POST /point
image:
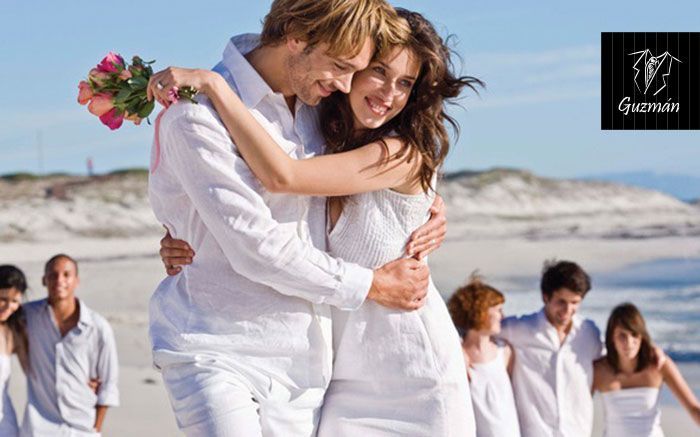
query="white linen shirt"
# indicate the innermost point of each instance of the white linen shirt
(258, 290)
(59, 400)
(552, 381)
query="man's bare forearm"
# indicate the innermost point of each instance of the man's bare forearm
(100, 413)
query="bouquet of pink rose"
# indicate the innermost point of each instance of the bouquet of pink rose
(115, 91)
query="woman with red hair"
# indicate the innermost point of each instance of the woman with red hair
(477, 311)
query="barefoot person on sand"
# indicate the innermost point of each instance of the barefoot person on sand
(243, 335)
(395, 372)
(630, 376)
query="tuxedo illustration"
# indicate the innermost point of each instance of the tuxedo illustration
(652, 71)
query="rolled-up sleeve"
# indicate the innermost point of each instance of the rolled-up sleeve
(225, 194)
(107, 368)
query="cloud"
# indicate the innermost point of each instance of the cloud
(523, 78)
(532, 97)
(560, 56)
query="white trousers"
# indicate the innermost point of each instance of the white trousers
(214, 396)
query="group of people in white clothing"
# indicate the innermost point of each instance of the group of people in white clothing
(304, 180)
(535, 375)
(67, 352)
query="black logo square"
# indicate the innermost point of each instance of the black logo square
(650, 81)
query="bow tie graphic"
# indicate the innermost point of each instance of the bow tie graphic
(651, 71)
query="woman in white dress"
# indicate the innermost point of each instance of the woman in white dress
(477, 311)
(394, 372)
(630, 376)
(13, 284)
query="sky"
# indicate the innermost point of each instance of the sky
(540, 61)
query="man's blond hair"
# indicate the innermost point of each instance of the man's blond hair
(344, 25)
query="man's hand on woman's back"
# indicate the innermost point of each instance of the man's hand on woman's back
(174, 254)
(400, 284)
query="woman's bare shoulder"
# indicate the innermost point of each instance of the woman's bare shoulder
(602, 367)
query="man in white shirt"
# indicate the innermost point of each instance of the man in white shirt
(242, 337)
(554, 353)
(69, 346)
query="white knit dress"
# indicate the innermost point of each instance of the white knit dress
(395, 373)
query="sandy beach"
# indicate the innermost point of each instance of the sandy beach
(118, 276)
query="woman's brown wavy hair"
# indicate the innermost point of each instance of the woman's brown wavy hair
(421, 125)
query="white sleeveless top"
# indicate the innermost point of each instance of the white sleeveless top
(374, 227)
(8, 418)
(492, 396)
(632, 412)
(396, 373)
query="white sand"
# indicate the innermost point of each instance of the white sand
(118, 276)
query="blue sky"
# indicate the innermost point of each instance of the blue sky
(540, 60)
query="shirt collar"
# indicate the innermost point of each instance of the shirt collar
(251, 87)
(85, 316)
(544, 323)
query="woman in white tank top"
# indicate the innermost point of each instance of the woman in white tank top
(477, 311)
(630, 376)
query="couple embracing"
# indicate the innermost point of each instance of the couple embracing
(304, 180)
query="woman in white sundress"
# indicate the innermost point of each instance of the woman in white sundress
(394, 372)
(630, 376)
(477, 311)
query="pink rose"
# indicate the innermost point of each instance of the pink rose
(173, 95)
(112, 63)
(100, 104)
(85, 93)
(112, 119)
(125, 74)
(98, 77)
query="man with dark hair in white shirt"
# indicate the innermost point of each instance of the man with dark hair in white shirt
(70, 345)
(554, 353)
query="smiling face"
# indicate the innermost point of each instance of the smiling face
(627, 343)
(61, 279)
(10, 300)
(381, 91)
(561, 307)
(313, 74)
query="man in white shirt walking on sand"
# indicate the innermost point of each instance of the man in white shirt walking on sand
(70, 345)
(554, 353)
